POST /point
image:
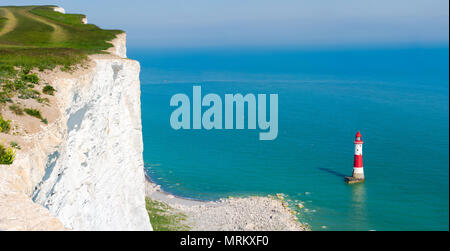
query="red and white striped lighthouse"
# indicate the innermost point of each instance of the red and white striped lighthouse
(358, 170)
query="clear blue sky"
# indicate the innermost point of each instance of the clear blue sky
(298, 23)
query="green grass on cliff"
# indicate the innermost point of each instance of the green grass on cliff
(39, 37)
(2, 20)
(7, 155)
(165, 218)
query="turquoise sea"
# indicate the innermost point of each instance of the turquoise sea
(398, 99)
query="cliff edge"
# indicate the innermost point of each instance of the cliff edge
(84, 170)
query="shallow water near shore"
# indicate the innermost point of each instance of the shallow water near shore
(397, 98)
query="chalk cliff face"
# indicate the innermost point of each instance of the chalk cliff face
(95, 179)
(86, 168)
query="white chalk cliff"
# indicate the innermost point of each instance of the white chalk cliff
(85, 170)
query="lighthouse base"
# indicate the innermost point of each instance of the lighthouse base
(353, 180)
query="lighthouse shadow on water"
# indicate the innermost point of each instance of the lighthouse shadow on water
(341, 175)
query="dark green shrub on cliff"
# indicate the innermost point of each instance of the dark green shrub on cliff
(43, 100)
(19, 84)
(16, 109)
(26, 70)
(33, 112)
(31, 78)
(5, 125)
(7, 155)
(28, 93)
(4, 97)
(48, 89)
(15, 145)
(7, 70)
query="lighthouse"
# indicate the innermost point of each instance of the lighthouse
(358, 170)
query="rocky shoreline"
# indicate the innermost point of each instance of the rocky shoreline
(254, 213)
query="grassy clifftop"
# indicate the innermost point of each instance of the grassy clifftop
(38, 36)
